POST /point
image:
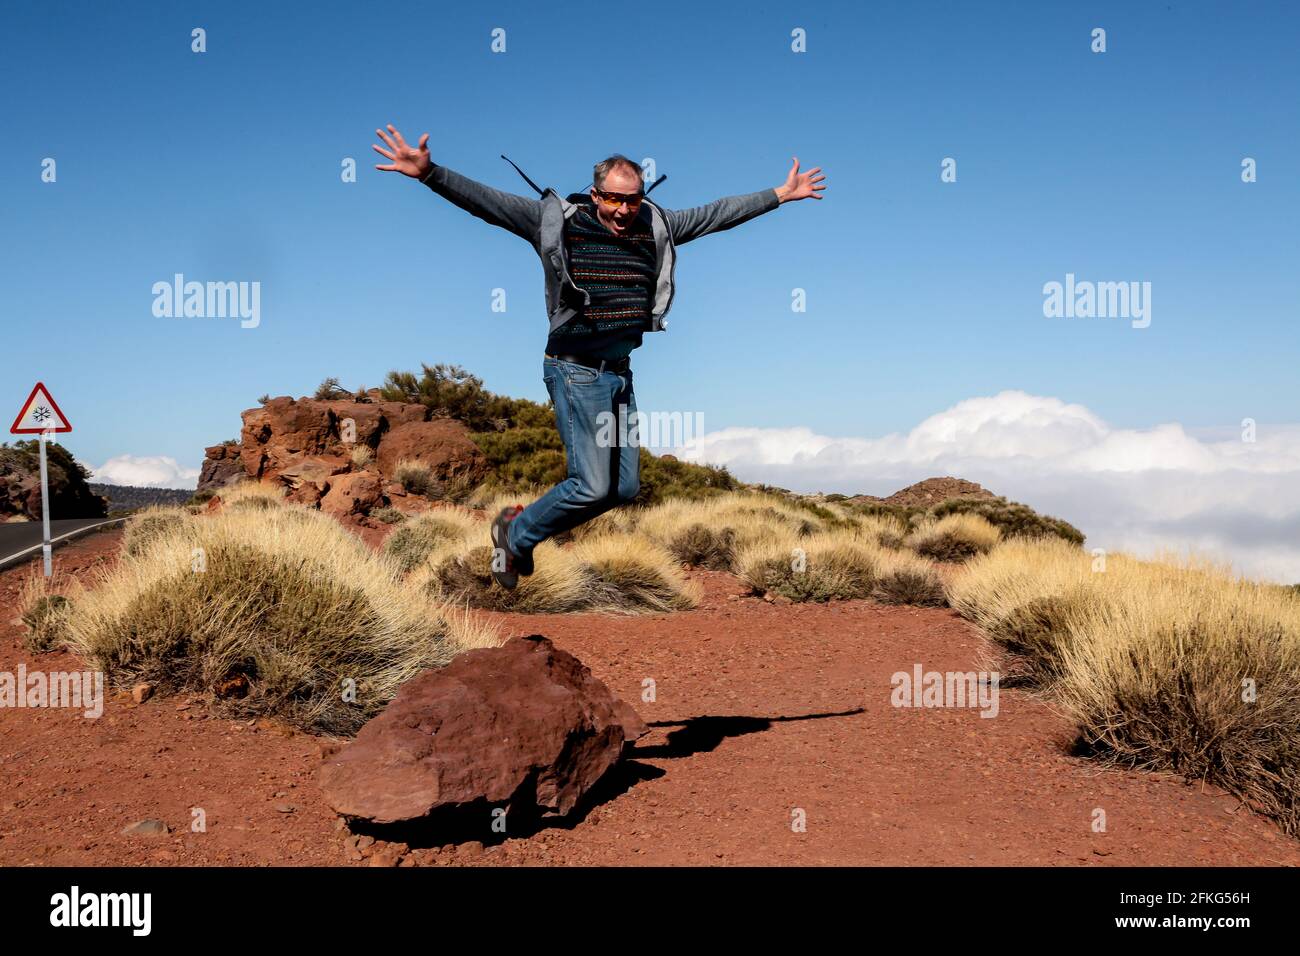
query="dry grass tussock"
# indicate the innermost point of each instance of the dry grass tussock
(1166, 665)
(607, 573)
(270, 610)
(957, 537)
(711, 532)
(845, 563)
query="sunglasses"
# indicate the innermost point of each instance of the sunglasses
(614, 200)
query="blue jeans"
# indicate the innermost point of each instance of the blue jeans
(604, 465)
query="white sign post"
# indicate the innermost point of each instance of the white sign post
(47, 550)
(40, 415)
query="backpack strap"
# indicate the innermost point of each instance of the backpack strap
(542, 192)
(536, 188)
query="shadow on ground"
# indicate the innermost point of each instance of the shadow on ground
(455, 825)
(701, 734)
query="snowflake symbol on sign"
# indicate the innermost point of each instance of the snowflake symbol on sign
(41, 413)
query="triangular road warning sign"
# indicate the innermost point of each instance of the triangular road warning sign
(39, 414)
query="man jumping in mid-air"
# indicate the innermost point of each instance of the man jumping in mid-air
(608, 259)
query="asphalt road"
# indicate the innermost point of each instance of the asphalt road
(21, 540)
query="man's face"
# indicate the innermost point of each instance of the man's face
(618, 199)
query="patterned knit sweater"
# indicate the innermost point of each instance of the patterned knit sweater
(618, 273)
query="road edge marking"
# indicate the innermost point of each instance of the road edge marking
(53, 541)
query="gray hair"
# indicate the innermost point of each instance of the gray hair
(603, 168)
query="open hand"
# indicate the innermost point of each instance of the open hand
(799, 185)
(408, 160)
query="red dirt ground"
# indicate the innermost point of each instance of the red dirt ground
(759, 710)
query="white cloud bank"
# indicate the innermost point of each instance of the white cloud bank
(1134, 490)
(158, 471)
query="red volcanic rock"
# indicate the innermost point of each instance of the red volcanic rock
(221, 466)
(282, 431)
(308, 493)
(402, 413)
(313, 469)
(441, 443)
(353, 494)
(369, 420)
(524, 721)
(411, 505)
(366, 421)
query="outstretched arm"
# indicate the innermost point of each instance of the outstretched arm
(520, 215)
(688, 224)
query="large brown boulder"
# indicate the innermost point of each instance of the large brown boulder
(353, 494)
(524, 721)
(441, 443)
(282, 431)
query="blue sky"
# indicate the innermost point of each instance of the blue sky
(225, 165)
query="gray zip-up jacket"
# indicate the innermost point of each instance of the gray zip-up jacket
(541, 222)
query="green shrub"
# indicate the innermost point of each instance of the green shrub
(1012, 517)
(331, 389)
(519, 457)
(663, 478)
(452, 392)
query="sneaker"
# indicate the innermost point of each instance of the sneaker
(523, 562)
(508, 575)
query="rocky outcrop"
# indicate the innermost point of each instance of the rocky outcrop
(307, 446)
(524, 722)
(928, 493)
(20, 484)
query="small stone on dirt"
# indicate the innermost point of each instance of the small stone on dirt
(146, 828)
(387, 856)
